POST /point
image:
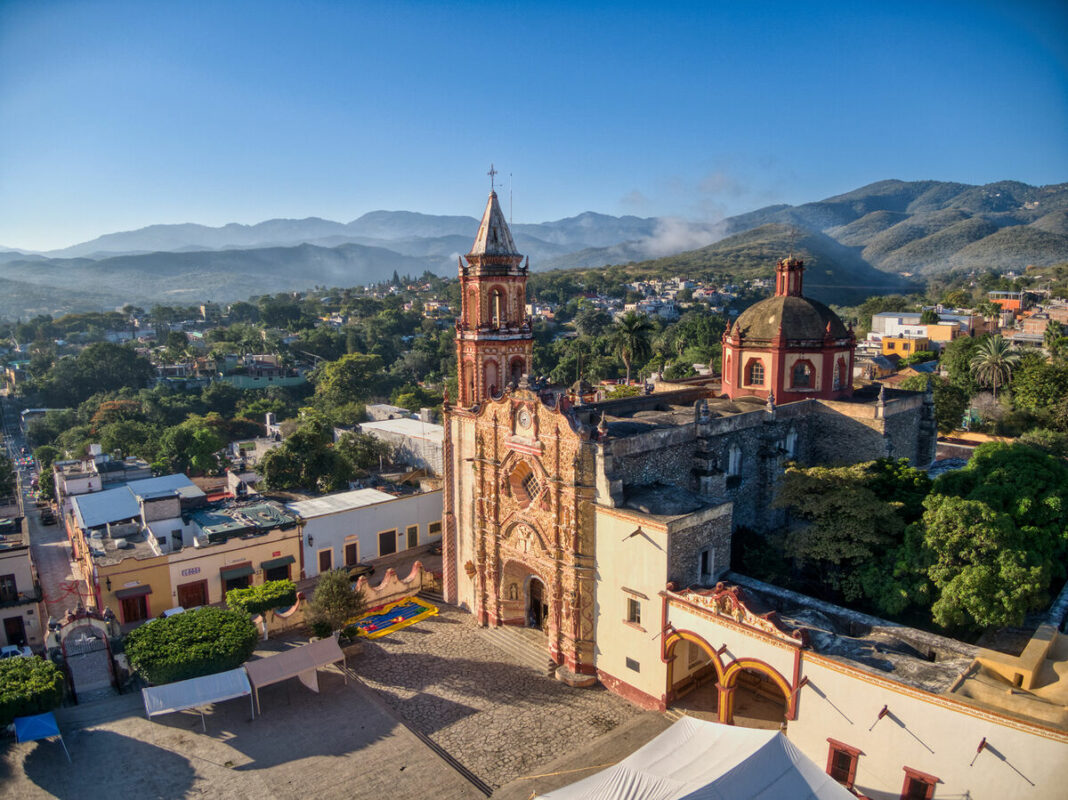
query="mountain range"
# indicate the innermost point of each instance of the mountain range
(862, 241)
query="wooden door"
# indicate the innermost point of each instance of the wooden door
(191, 595)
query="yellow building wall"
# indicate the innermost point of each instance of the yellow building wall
(904, 346)
(639, 564)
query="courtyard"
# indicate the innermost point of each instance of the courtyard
(432, 701)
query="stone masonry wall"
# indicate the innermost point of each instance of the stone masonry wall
(685, 546)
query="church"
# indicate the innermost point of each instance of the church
(545, 494)
(607, 527)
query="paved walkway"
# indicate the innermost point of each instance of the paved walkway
(61, 587)
(500, 719)
(337, 744)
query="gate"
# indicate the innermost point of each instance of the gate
(89, 661)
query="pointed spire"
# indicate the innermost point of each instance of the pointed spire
(770, 405)
(494, 238)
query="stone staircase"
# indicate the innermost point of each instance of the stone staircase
(522, 645)
(674, 714)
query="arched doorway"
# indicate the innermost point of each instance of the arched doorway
(537, 604)
(755, 695)
(694, 674)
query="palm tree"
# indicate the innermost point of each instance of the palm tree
(1055, 332)
(631, 335)
(993, 362)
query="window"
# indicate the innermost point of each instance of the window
(524, 483)
(756, 373)
(734, 460)
(842, 762)
(918, 785)
(802, 375)
(326, 560)
(708, 560)
(434, 529)
(351, 555)
(695, 655)
(413, 536)
(9, 591)
(837, 383)
(634, 611)
(277, 573)
(387, 542)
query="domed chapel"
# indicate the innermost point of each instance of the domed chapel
(788, 346)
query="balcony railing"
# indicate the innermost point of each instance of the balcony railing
(8, 599)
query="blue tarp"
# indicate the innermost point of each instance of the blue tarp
(39, 726)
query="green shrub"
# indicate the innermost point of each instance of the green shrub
(28, 686)
(258, 599)
(198, 642)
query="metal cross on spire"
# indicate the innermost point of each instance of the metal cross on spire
(492, 173)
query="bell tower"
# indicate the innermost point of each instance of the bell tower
(494, 340)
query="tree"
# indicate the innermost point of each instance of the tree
(307, 459)
(631, 336)
(995, 535)
(950, 401)
(201, 641)
(1052, 336)
(956, 361)
(334, 603)
(929, 317)
(363, 451)
(28, 686)
(354, 376)
(192, 446)
(993, 362)
(849, 519)
(1039, 385)
(8, 480)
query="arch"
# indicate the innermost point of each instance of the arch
(839, 373)
(754, 372)
(734, 460)
(677, 636)
(802, 375)
(727, 368)
(472, 307)
(729, 685)
(492, 377)
(517, 367)
(497, 310)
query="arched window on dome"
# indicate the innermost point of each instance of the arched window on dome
(754, 372)
(802, 375)
(839, 372)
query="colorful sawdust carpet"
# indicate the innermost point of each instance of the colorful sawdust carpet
(392, 617)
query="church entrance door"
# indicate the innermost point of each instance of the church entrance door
(537, 608)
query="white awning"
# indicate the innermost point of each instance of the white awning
(298, 662)
(196, 692)
(700, 760)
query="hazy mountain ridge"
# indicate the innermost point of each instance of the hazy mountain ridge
(892, 226)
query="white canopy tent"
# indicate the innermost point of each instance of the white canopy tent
(196, 693)
(299, 662)
(699, 760)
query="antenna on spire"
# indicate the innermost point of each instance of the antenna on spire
(509, 198)
(492, 173)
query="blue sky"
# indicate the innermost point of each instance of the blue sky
(116, 115)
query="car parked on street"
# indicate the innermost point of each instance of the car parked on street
(15, 651)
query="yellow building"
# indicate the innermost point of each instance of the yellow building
(943, 333)
(147, 564)
(905, 346)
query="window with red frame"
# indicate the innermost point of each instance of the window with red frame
(842, 762)
(918, 785)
